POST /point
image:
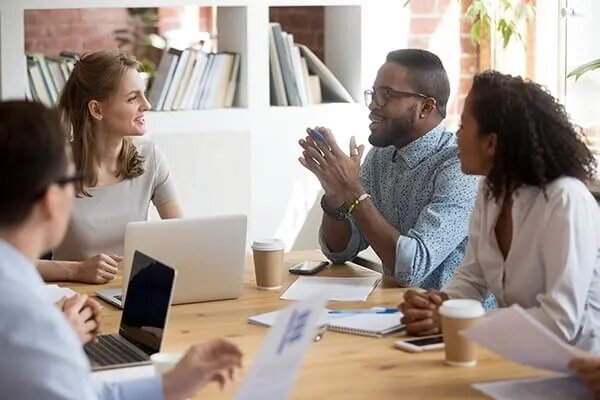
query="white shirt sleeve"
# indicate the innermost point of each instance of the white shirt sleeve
(569, 249)
(468, 280)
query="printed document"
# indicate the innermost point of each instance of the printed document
(276, 367)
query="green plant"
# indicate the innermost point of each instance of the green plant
(582, 69)
(504, 15)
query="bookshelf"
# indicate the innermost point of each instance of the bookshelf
(244, 159)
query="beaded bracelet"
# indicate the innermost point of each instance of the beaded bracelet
(357, 201)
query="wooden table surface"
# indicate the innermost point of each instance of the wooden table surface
(340, 366)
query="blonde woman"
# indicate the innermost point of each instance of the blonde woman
(103, 102)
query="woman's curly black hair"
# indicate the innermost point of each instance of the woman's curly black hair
(536, 142)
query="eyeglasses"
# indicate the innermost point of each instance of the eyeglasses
(77, 177)
(381, 95)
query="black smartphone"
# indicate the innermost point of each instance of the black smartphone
(308, 267)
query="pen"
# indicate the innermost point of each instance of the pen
(373, 310)
(315, 134)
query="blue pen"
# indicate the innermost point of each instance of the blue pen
(373, 310)
(315, 134)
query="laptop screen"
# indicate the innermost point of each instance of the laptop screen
(147, 303)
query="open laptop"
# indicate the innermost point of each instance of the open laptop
(144, 318)
(209, 254)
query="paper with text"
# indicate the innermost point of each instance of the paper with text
(276, 366)
(517, 336)
(340, 289)
(551, 388)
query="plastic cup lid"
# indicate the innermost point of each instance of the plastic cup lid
(268, 244)
(462, 308)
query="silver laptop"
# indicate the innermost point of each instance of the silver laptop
(209, 254)
(144, 318)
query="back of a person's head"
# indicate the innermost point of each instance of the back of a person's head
(426, 74)
(536, 141)
(32, 156)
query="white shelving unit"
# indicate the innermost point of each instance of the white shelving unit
(244, 159)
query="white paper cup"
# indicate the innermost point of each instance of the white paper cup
(268, 263)
(458, 315)
(163, 362)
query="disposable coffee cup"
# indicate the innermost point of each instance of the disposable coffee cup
(458, 315)
(268, 263)
(164, 362)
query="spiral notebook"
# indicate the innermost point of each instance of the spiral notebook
(368, 324)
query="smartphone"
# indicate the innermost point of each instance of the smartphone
(417, 345)
(315, 134)
(308, 267)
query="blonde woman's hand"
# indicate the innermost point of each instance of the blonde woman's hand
(98, 269)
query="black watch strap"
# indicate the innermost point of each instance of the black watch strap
(339, 214)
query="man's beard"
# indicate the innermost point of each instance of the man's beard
(397, 131)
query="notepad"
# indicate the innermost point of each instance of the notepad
(366, 324)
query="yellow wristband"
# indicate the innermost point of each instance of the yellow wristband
(357, 201)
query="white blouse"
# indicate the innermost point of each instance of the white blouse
(552, 267)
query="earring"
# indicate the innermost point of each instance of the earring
(422, 116)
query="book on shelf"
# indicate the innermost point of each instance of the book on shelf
(297, 76)
(192, 79)
(331, 88)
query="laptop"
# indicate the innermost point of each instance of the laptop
(144, 318)
(209, 254)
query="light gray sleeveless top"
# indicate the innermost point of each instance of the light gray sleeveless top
(98, 223)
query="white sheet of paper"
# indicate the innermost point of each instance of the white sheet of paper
(276, 366)
(340, 289)
(552, 388)
(515, 335)
(54, 292)
(123, 374)
(269, 318)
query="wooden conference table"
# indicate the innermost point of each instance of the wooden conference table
(340, 366)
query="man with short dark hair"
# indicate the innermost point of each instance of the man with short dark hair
(41, 356)
(409, 200)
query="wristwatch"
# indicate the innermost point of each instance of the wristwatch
(339, 214)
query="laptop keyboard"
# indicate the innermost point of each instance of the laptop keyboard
(111, 351)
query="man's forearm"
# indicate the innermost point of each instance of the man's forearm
(381, 235)
(336, 233)
(52, 270)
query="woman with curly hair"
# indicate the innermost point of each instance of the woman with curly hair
(534, 235)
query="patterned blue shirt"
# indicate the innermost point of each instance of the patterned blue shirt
(420, 190)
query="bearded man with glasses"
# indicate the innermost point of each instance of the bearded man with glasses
(409, 199)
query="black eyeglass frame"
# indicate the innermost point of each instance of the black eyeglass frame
(76, 177)
(370, 95)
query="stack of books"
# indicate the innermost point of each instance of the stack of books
(192, 79)
(47, 76)
(298, 76)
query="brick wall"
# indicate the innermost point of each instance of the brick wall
(427, 18)
(51, 31)
(305, 23)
